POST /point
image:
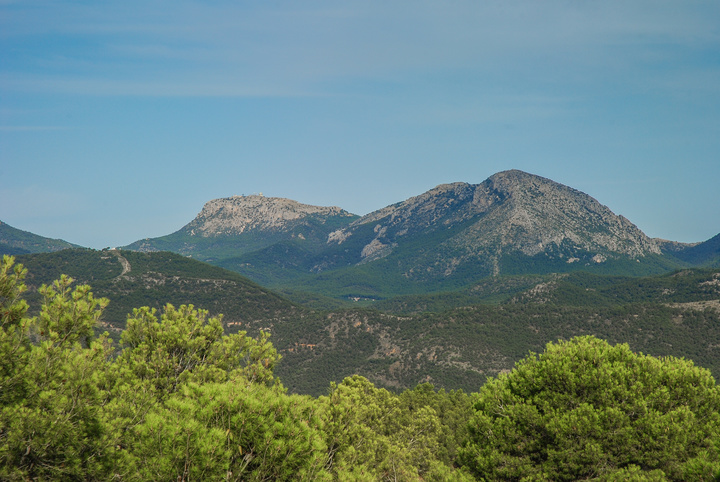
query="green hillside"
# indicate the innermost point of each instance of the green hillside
(460, 348)
(388, 277)
(458, 339)
(703, 254)
(586, 289)
(154, 279)
(454, 339)
(15, 241)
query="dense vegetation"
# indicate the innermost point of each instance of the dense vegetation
(454, 340)
(288, 266)
(586, 410)
(703, 254)
(153, 280)
(180, 399)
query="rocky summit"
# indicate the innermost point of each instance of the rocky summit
(256, 213)
(511, 213)
(536, 213)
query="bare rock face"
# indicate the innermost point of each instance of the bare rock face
(233, 226)
(256, 213)
(512, 211)
(536, 213)
(445, 206)
(445, 203)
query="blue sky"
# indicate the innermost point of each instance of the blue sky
(119, 120)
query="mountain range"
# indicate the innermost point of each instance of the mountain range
(449, 237)
(461, 281)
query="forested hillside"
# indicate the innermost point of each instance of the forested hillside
(454, 340)
(131, 279)
(703, 254)
(179, 399)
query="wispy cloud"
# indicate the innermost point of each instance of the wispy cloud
(187, 48)
(187, 87)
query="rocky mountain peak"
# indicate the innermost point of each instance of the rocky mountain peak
(513, 222)
(537, 212)
(521, 186)
(512, 211)
(239, 214)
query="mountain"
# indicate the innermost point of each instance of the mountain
(706, 253)
(15, 241)
(447, 238)
(457, 234)
(463, 280)
(236, 225)
(510, 214)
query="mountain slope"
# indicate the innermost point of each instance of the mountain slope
(458, 348)
(511, 211)
(236, 225)
(706, 253)
(132, 279)
(15, 241)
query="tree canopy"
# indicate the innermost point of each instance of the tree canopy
(181, 400)
(584, 409)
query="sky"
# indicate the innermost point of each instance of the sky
(120, 119)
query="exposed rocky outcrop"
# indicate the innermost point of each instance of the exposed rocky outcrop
(240, 214)
(230, 227)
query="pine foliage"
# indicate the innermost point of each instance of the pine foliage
(180, 399)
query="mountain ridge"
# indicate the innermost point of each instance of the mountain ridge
(453, 234)
(506, 206)
(235, 214)
(705, 254)
(15, 241)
